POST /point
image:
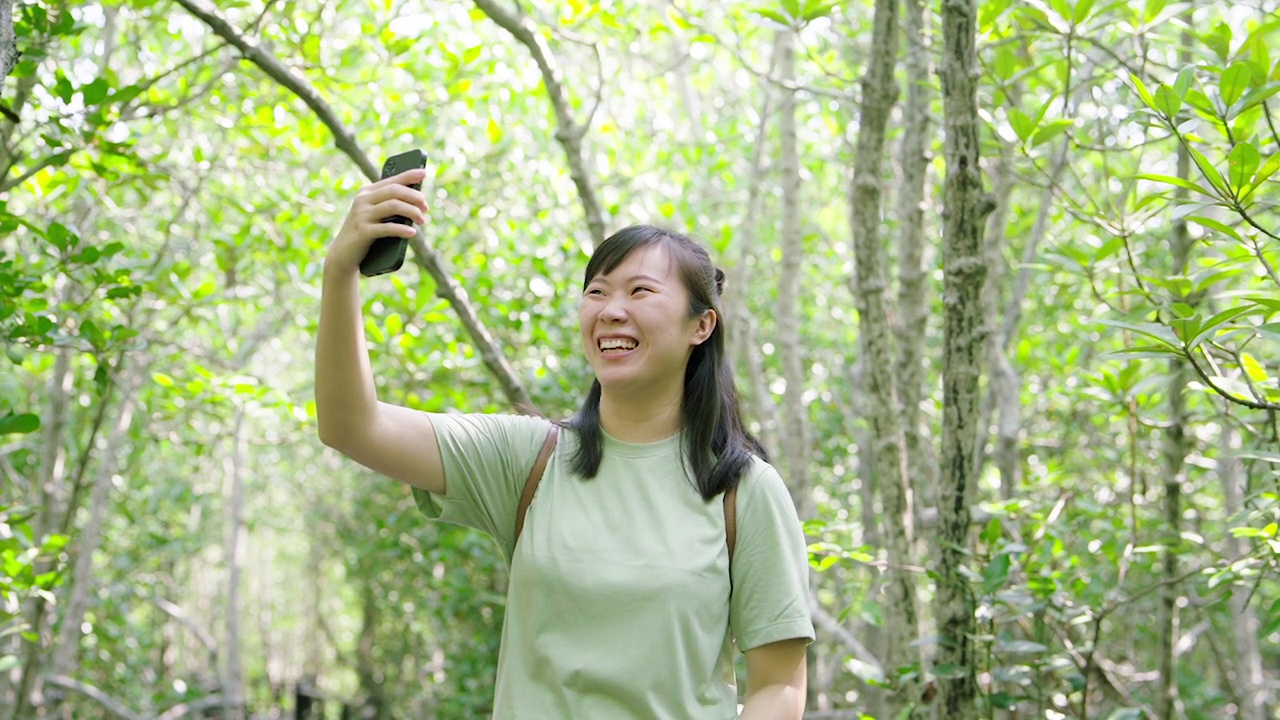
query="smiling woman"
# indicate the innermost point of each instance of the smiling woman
(623, 601)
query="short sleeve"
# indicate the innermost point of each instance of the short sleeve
(770, 568)
(487, 459)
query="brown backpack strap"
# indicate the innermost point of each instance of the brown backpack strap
(731, 519)
(535, 476)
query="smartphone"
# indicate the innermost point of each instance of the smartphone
(387, 254)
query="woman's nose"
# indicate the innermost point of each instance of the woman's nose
(614, 309)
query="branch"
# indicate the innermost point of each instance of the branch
(53, 159)
(423, 255)
(835, 630)
(92, 693)
(569, 133)
(1256, 405)
(201, 634)
(184, 709)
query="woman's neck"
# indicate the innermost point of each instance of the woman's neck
(640, 421)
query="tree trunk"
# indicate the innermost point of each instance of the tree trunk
(233, 703)
(1003, 384)
(8, 42)
(888, 460)
(1246, 675)
(795, 432)
(84, 547)
(53, 467)
(366, 669)
(1175, 448)
(913, 310)
(741, 324)
(963, 274)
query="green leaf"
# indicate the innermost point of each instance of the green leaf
(1210, 172)
(62, 87)
(814, 9)
(1022, 125)
(1004, 700)
(996, 573)
(1234, 81)
(96, 91)
(1143, 93)
(1047, 132)
(1182, 83)
(1175, 181)
(1168, 102)
(1155, 331)
(1219, 40)
(1145, 352)
(771, 14)
(61, 237)
(1022, 647)
(949, 670)
(494, 131)
(1253, 368)
(1216, 225)
(1242, 163)
(1265, 172)
(991, 533)
(22, 424)
(162, 380)
(1215, 323)
(1081, 11)
(470, 54)
(1253, 98)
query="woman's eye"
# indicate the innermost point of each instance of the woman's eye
(640, 289)
(595, 291)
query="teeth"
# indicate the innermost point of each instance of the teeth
(617, 344)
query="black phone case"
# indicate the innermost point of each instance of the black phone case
(387, 254)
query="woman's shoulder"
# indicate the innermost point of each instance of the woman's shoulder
(760, 478)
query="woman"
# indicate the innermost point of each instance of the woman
(622, 600)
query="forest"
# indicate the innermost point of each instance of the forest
(1003, 295)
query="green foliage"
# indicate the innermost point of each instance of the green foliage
(31, 568)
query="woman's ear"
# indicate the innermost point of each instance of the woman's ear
(706, 326)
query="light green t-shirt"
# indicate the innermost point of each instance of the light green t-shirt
(619, 602)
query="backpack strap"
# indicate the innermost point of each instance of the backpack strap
(535, 476)
(731, 519)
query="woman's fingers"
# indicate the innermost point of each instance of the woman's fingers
(395, 206)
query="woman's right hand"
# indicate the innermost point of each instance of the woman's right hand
(364, 223)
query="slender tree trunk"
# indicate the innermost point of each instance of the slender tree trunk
(879, 93)
(86, 544)
(795, 435)
(49, 494)
(741, 323)
(366, 669)
(1176, 447)
(1247, 678)
(913, 311)
(963, 274)
(8, 42)
(1003, 384)
(233, 704)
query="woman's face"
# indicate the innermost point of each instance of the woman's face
(636, 329)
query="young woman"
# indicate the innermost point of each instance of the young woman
(622, 602)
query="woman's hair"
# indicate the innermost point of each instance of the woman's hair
(717, 447)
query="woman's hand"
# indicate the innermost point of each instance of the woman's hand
(364, 223)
